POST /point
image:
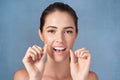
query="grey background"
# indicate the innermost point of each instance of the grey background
(99, 30)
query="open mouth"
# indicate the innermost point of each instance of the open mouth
(59, 49)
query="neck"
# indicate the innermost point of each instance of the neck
(58, 69)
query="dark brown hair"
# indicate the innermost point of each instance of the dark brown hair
(61, 7)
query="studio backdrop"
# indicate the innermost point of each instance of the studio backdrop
(99, 32)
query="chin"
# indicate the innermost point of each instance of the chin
(59, 59)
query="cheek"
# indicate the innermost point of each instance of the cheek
(70, 41)
(48, 40)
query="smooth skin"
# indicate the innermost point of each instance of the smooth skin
(59, 31)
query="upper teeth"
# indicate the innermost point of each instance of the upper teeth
(59, 48)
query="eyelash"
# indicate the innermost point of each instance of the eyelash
(67, 31)
(51, 31)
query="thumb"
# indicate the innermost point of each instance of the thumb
(44, 53)
(72, 56)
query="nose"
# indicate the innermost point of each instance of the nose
(59, 38)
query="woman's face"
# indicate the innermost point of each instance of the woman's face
(59, 33)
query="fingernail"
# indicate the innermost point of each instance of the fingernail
(81, 54)
(83, 48)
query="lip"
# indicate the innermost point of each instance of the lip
(59, 51)
(59, 47)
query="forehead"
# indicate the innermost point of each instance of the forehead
(59, 19)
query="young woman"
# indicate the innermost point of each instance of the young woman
(58, 31)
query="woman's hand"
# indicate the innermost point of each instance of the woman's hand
(34, 61)
(80, 63)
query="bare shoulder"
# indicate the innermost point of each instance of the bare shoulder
(92, 76)
(21, 74)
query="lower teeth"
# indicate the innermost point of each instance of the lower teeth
(58, 50)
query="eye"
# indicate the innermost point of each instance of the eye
(69, 32)
(51, 31)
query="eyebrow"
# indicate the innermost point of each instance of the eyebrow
(51, 27)
(69, 27)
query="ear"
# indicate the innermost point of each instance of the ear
(40, 34)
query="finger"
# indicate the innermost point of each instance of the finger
(85, 58)
(39, 50)
(36, 52)
(30, 56)
(79, 52)
(33, 50)
(73, 60)
(85, 54)
(82, 53)
(44, 53)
